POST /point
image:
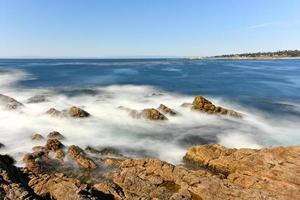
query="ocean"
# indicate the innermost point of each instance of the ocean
(266, 92)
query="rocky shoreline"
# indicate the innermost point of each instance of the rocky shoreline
(66, 172)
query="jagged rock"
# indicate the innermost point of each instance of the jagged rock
(269, 169)
(110, 189)
(54, 145)
(77, 112)
(9, 103)
(12, 183)
(37, 99)
(151, 179)
(164, 109)
(153, 114)
(56, 135)
(81, 158)
(37, 137)
(204, 105)
(54, 113)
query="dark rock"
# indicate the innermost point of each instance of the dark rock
(37, 99)
(10, 103)
(1, 145)
(164, 109)
(56, 135)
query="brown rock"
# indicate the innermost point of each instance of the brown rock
(153, 114)
(267, 170)
(164, 109)
(204, 105)
(81, 158)
(106, 151)
(77, 112)
(10, 103)
(151, 179)
(54, 145)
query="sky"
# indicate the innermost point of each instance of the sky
(146, 28)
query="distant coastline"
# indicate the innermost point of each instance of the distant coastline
(287, 54)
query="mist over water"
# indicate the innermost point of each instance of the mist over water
(266, 92)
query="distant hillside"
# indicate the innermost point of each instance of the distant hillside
(263, 55)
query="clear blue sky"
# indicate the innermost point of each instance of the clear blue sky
(105, 28)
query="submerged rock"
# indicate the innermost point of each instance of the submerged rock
(1, 145)
(268, 169)
(55, 134)
(166, 110)
(203, 105)
(106, 151)
(73, 112)
(10, 103)
(37, 99)
(37, 137)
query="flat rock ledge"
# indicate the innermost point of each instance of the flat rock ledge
(211, 172)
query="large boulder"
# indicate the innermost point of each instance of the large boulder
(203, 105)
(9, 103)
(267, 169)
(153, 114)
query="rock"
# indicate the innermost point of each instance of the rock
(54, 113)
(150, 178)
(81, 158)
(164, 109)
(54, 145)
(106, 151)
(77, 112)
(60, 187)
(73, 112)
(204, 105)
(37, 137)
(37, 99)
(267, 170)
(56, 135)
(187, 105)
(1, 145)
(110, 189)
(12, 182)
(153, 114)
(10, 103)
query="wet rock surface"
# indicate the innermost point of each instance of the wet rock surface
(9, 103)
(166, 110)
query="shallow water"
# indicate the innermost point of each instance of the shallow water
(267, 92)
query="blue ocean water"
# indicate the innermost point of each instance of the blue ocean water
(266, 92)
(258, 83)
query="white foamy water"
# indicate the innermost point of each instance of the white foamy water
(112, 127)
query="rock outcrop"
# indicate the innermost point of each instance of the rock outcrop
(269, 170)
(81, 158)
(56, 135)
(166, 110)
(9, 103)
(203, 105)
(73, 112)
(37, 137)
(148, 113)
(37, 99)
